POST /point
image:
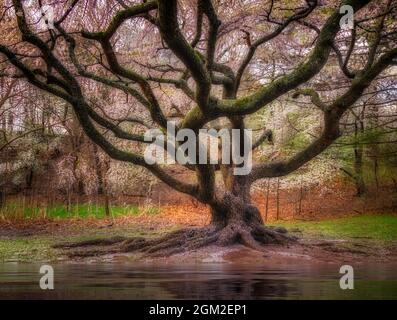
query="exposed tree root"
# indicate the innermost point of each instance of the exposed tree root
(181, 241)
(87, 243)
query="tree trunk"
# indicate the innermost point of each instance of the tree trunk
(278, 199)
(29, 179)
(234, 210)
(376, 169)
(2, 199)
(267, 199)
(358, 162)
(239, 221)
(358, 168)
(300, 199)
(101, 169)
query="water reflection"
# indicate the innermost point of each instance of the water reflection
(122, 281)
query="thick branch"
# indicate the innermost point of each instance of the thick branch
(253, 47)
(304, 72)
(331, 123)
(314, 96)
(170, 32)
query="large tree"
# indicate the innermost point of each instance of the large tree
(205, 54)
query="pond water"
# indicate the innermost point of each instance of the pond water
(220, 281)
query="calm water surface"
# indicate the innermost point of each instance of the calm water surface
(125, 281)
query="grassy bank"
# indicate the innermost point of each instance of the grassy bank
(382, 227)
(377, 230)
(21, 210)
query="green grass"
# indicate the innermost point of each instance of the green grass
(19, 210)
(27, 249)
(378, 227)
